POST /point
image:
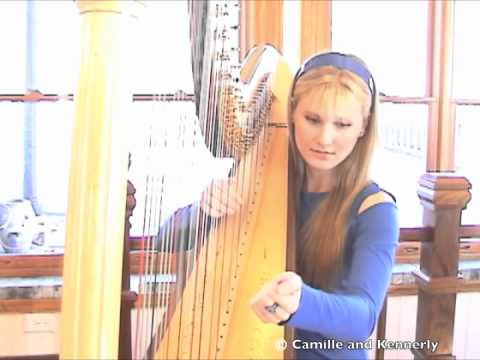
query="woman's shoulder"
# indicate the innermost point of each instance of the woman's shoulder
(371, 195)
(375, 199)
(375, 215)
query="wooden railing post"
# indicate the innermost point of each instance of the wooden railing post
(125, 338)
(443, 196)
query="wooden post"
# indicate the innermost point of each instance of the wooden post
(125, 338)
(443, 196)
(316, 27)
(261, 22)
(441, 124)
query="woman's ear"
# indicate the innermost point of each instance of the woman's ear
(364, 128)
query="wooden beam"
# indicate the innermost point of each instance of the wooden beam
(316, 27)
(261, 22)
(51, 305)
(52, 264)
(441, 124)
(24, 306)
(37, 96)
(31, 357)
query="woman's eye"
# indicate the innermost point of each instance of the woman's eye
(342, 125)
(312, 119)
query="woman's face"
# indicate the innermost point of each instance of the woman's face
(326, 132)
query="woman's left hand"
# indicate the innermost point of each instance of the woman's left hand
(222, 197)
(278, 299)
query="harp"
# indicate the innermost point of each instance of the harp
(209, 316)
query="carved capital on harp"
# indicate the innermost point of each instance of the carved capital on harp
(130, 8)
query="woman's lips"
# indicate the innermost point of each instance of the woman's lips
(320, 154)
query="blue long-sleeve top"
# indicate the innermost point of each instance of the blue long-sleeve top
(331, 323)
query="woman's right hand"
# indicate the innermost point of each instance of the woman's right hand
(278, 299)
(221, 197)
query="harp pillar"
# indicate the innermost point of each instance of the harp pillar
(96, 199)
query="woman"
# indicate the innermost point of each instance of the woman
(347, 227)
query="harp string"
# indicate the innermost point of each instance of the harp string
(196, 324)
(155, 284)
(220, 149)
(162, 246)
(220, 287)
(229, 261)
(210, 115)
(187, 307)
(151, 206)
(180, 240)
(146, 240)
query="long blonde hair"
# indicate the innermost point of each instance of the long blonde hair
(320, 258)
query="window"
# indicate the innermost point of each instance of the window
(397, 59)
(13, 17)
(13, 20)
(42, 53)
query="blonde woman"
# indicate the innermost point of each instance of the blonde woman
(347, 227)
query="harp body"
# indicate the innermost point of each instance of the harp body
(245, 250)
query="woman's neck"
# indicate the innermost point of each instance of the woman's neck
(319, 182)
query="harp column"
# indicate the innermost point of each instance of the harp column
(98, 174)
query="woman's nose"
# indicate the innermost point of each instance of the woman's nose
(325, 135)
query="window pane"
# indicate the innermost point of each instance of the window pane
(466, 76)
(400, 159)
(11, 151)
(390, 36)
(160, 56)
(57, 30)
(13, 45)
(291, 33)
(54, 133)
(163, 54)
(467, 149)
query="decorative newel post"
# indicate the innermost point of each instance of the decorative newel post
(443, 196)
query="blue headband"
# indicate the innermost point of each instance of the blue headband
(340, 61)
